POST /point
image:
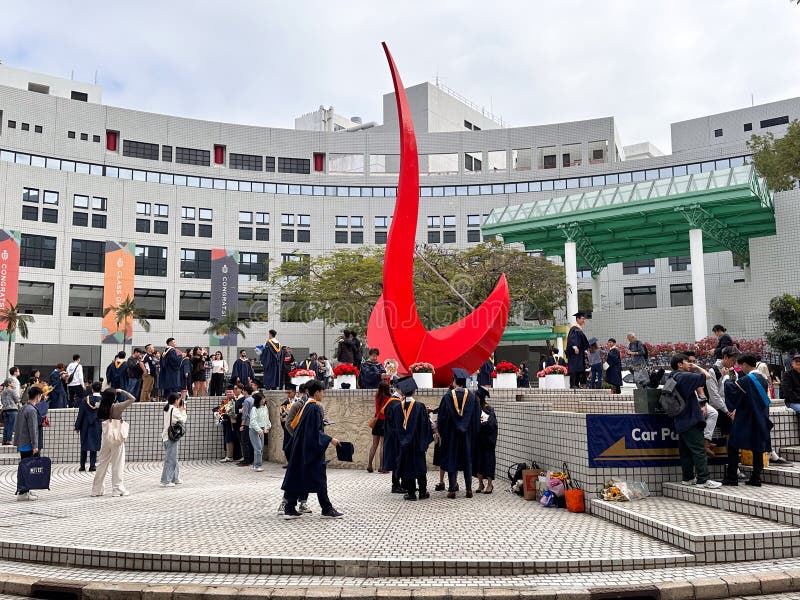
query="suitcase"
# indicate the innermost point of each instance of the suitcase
(33, 473)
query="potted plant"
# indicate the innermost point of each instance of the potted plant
(301, 376)
(556, 377)
(540, 376)
(505, 375)
(347, 374)
(422, 373)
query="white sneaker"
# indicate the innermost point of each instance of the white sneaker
(24, 497)
(170, 484)
(33, 495)
(690, 482)
(258, 469)
(120, 493)
(711, 484)
(178, 481)
(226, 459)
(304, 508)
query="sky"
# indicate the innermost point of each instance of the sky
(646, 63)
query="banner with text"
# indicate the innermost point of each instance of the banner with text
(224, 291)
(636, 440)
(9, 273)
(118, 287)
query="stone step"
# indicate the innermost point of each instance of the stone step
(711, 534)
(778, 475)
(8, 450)
(773, 502)
(9, 459)
(791, 453)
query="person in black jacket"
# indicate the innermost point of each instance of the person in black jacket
(790, 385)
(372, 371)
(723, 340)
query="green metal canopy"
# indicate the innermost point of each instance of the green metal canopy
(647, 219)
(528, 334)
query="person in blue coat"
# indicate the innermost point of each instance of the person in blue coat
(58, 396)
(393, 419)
(414, 437)
(748, 399)
(90, 427)
(485, 372)
(614, 371)
(170, 377)
(485, 457)
(271, 361)
(306, 472)
(577, 345)
(242, 371)
(458, 423)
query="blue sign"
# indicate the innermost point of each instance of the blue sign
(634, 440)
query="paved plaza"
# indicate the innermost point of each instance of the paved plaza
(220, 529)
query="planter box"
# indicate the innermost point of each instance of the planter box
(556, 382)
(338, 381)
(424, 380)
(300, 380)
(505, 381)
(542, 383)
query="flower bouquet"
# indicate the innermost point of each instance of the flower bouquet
(612, 492)
(46, 389)
(421, 367)
(345, 369)
(225, 409)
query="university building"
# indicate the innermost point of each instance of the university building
(75, 172)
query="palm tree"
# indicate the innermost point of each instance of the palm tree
(125, 313)
(15, 322)
(230, 324)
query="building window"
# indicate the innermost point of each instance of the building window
(99, 221)
(262, 218)
(79, 201)
(449, 221)
(640, 297)
(49, 215)
(382, 222)
(254, 306)
(584, 272)
(680, 294)
(253, 266)
(287, 219)
(717, 133)
(85, 300)
(79, 219)
(245, 217)
(84, 137)
(473, 235)
(26, 127)
(35, 297)
(449, 237)
(303, 235)
(434, 221)
(37, 129)
(473, 161)
(340, 237)
(143, 208)
(294, 165)
(245, 233)
(161, 210)
(96, 139)
(262, 235)
(287, 235)
(152, 303)
(193, 156)
(195, 264)
(143, 225)
(204, 231)
(99, 203)
(473, 220)
(88, 255)
(680, 263)
(71, 135)
(187, 229)
(194, 305)
(294, 309)
(639, 267)
(748, 127)
(380, 237)
(302, 269)
(151, 261)
(206, 214)
(166, 153)
(30, 213)
(80, 96)
(304, 220)
(434, 237)
(50, 198)
(188, 212)
(245, 162)
(161, 227)
(139, 150)
(30, 195)
(549, 161)
(13, 125)
(342, 221)
(774, 122)
(269, 164)
(37, 251)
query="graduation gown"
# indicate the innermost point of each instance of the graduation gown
(614, 371)
(306, 470)
(751, 425)
(413, 439)
(576, 363)
(459, 433)
(242, 371)
(89, 425)
(270, 360)
(170, 378)
(485, 373)
(391, 435)
(117, 375)
(485, 462)
(58, 397)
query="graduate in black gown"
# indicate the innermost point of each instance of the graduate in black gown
(415, 435)
(270, 360)
(577, 345)
(391, 441)
(487, 441)
(170, 378)
(458, 424)
(306, 472)
(485, 372)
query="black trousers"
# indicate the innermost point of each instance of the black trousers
(452, 480)
(731, 473)
(76, 394)
(577, 379)
(410, 484)
(247, 448)
(92, 458)
(322, 498)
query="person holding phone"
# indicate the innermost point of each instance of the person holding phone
(174, 412)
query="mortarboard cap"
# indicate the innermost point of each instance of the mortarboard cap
(406, 385)
(796, 357)
(460, 374)
(579, 314)
(344, 451)
(482, 393)
(592, 341)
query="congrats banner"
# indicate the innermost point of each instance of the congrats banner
(118, 282)
(224, 291)
(636, 440)
(9, 272)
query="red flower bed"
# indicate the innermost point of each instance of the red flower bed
(345, 369)
(506, 367)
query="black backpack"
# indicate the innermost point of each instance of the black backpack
(515, 476)
(670, 398)
(132, 368)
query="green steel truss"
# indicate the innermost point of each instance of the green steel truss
(647, 219)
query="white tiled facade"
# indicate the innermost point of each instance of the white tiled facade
(324, 195)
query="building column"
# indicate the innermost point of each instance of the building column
(595, 293)
(698, 284)
(571, 267)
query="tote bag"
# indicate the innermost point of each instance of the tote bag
(115, 431)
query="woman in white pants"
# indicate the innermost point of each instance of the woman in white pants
(112, 452)
(174, 412)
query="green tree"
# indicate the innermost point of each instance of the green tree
(784, 312)
(15, 322)
(778, 160)
(127, 312)
(228, 325)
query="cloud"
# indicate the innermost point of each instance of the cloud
(645, 63)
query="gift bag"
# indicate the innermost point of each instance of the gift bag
(529, 479)
(573, 494)
(555, 485)
(747, 458)
(33, 473)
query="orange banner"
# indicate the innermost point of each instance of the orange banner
(119, 280)
(9, 272)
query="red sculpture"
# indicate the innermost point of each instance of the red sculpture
(394, 325)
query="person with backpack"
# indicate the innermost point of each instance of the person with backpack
(681, 397)
(171, 434)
